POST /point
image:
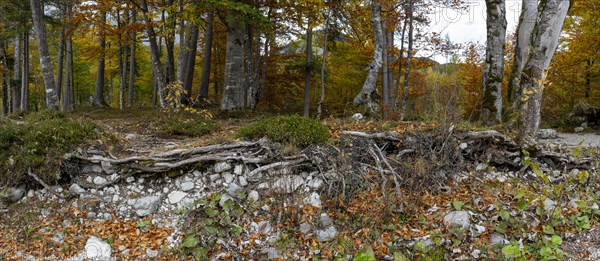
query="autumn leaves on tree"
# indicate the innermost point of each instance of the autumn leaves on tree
(317, 58)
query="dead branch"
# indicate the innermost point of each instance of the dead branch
(276, 165)
(388, 135)
(41, 182)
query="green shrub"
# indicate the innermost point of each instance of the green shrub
(39, 143)
(295, 130)
(183, 124)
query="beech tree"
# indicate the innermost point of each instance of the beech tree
(494, 62)
(369, 95)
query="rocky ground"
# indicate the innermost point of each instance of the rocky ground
(225, 209)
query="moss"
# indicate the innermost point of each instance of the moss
(184, 124)
(39, 143)
(294, 130)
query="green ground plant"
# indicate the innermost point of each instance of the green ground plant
(294, 130)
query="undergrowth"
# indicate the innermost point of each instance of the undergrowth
(183, 124)
(38, 142)
(295, 130)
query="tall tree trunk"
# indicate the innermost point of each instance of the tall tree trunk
(400, 57)
(546, 33)
(122, 67)
(170, 25)
(368, 94)
(191, 64)
(389, 60)
(6, 84)
(308, 69)
(132, 62)
(52, 101)
(233, 93)
(208, 38)
(68, 99)
(323, 63)
(385, 98)
(154, 57)
(61, 54)
(263, 77)
(249, 73)
(409, 53)
(16, 85)
(25, 74)
(529, 13)
(491, 112)
(98, 99)
(182, 56)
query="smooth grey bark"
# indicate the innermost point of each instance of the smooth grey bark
(368, 94)
(132, 62)
(405, 89)
(52, 101)
(182, 56)
(546, 33)
(233, 93)
(68, 98)
(263, 76)
(154, 57)
(389, 59)
(400, 57)
(491, 112)
(249, 72)
(25, 74)
(308, 68)
(529, 14)
(191, 64)
(385, 94)
(16, 93)
(59, 69)
(323, 63)
(98, 99)
(208, 39)
(122, 67)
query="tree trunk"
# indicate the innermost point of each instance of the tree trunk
(98, 99)
(154, 57)
(390, 47)
(546, 33)
(208, 38)
(249, 75)
(52, 101)
(6, 84)
(491, 112)
(323, 62)
(25, 74)
(132, 62)
(400, 57)
(67, 92)
(181, 58)
(529, 13)
(405, 89)
(61, 55)
(17, 77)
(233, 94)
(368, 94)
(191, 64)
(308, 69)
(263, 77)
(169, 31)
(385, 98)
(122, 68)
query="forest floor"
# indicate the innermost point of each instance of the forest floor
(510, 214)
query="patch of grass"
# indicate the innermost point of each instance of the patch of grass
(295, 130)
(39, 142)
(184, 124)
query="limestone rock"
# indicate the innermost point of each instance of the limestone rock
(234, 190)
(253, 196)
(146, 205)
(458, 219)
(222, 167)
(176, 196)
(100, 181)
(187, 186)
(96, 249)
(288, 184)
(327, 234)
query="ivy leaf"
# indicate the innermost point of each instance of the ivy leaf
(190, 241)
(548, 230)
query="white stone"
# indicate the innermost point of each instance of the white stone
(243, 181)
(176, 196)
(315, 183)
(95, 248)
(222, 167)
(107, 167)
(100, 180)
(477, 230)
(497, 239)
(76, 189)
(234, 190)
(305, 228)
(238, 170)
(458, 219)
(214, 177)
(253, 196)
(314, 199)
(129, 179)
(327, 234)
(187, 186)
(228, 177)
(325, 220)
(146, 205)
(549, 205)
(463, 145)
(358, 117)
(151, 253)
(130, 136)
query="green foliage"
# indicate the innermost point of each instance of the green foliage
(184, 124)
(293, 130)
(210, 222)
(39, 143)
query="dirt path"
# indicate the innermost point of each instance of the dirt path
(574, 139)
